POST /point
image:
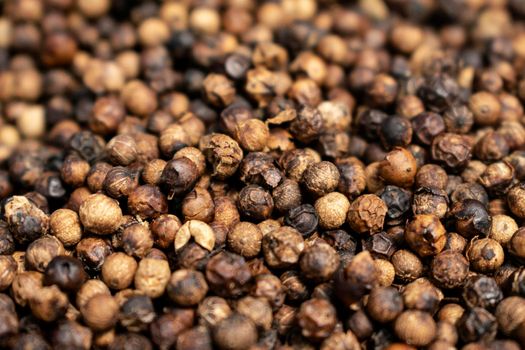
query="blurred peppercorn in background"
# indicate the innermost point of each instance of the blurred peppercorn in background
(262, 175)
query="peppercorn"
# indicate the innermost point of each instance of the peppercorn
(287, 195)
(449, 269)
(255, 202)
(282, 247)
(398, 168)
(92, 252)
(9, 270)
(187, 287)
(164, 229)
(100, 312)
(147, 201)
(41, 251)
(384, 304)
(227, 274)
(367, 214)
(485, 107)
(482, 291)
(321, 178)
(100, 214)
(303, 218)
(118, 270)
(355, 279)
(66, 272)
(201, 232)
(256, 309)
(74, 171)
(415, 327)
(48, 304)
(422, 295)
(426, 235)
(477, 324)
(235, 332)
(245, 239)
(71, 334)
(317, 318)
(332, 210)
(485, 254)
(152, 276)
(26, 221)
(408, 267)
(166, 328)
(319, 262)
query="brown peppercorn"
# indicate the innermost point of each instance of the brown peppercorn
(100, 214)
(92, 252)
(425, 235)
(485, 255)
(100, 312)
(256, 309)
(152, 171)
(321, 178)
(356, 279)
(382, 91)
(452, 150)
(515, 200)
(219, 90)
(482, 291)
(408, 267)
(237, 332)
(147, 201)
(107, 114)
(449, 269)
(26, 221)
(510, 314)
(164, 229)
(471, 218)
(367, 214)
(9, 267)
(319, 262)
(245, 239)
(422, 295)
(269, 287)
(179, 176)
(353, 179)
(252, 134)
(90, 289)
(167, 327)
(294, 163)
(360, 324)
(385, 272)
(120, 182)
(198, 205)
(97, 175)
(71, 335)
(485, 107)
(308, 124)
(491, 147)
(287, 195)
(118, 271)
(187, 287)
(74, 171)
(65, 225)
(339, 340)
(212, 310)
(332, 210)
(303, 218)
(502, 229)
(317, 319)
(138, 98)
(122, 150)
(255, 202)
(172, 139)
(41, 251)
(227, 274)
(415, 327)
(223, 153)
(450, 313)
(384, 304)
(517, 244)
(395, 131)
(282, 247)
(398, 168)
(152, 276)
(198, 338)
(431, 175)
(48, 303)
(66, 272)
(477, 324)
(294, 286)
(137, 240)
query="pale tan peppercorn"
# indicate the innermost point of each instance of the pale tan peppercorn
(100, 214)
(65, 225)
(332, 210)
(152, 276)
(118, 270)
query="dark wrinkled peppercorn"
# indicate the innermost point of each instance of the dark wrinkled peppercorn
(303, 218)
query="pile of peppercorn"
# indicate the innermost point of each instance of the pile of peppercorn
(262, 175)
